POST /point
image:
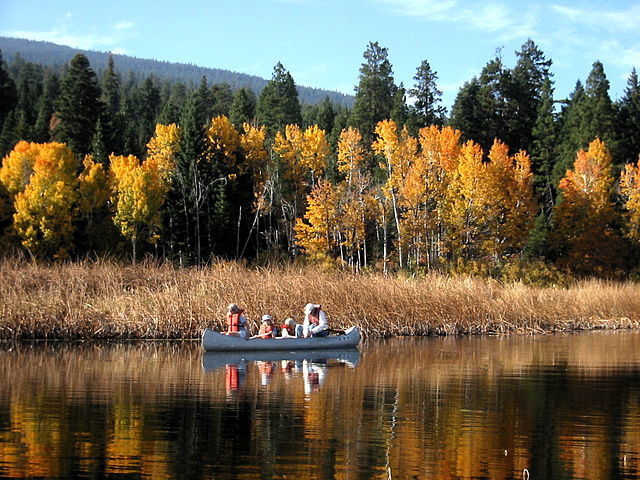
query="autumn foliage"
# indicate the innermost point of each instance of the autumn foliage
(408, 201)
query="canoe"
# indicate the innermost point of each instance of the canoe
(348, 356)
(215, 341)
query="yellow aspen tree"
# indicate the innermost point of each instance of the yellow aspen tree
(92, 187)
(398, 150)
(353, 197)
(223, 141)
(303, 153)
(252, 146)
(17, 167)
(289, 147)
(584, 217)
(93, 197)
(314, 234)
(630, 193)
(163, 147)
(351, 152)
(464, 216)
(138, 192)
(524, 208)
(315, 151)
(293, 181)
(45, 208)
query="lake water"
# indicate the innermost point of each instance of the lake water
(538, 407)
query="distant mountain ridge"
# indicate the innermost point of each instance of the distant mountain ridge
(47, 53)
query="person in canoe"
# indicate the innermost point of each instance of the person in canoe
(315, 321)
(267, 330)
(236, 322)
(291, 329)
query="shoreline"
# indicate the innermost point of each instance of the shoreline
(106, 300)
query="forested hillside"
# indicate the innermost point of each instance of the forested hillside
(512, 183)
(50, 54)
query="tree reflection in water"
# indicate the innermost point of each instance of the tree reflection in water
(560, 406)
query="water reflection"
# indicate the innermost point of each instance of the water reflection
(310, 366)
(562, 407)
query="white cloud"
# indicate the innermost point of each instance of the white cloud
(119, 51)
(96, 39)
(493, 17)
(610, 20)
(61, 37)
(432, 9)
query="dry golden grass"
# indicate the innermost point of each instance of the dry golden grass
(104, 299)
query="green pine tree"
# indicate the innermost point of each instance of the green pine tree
(222, 98)
(628, 121)
(426, 107)
(278, 104)
(529, 75)
(78, 106)
(590, 114)
(374, 92)
(50, 91)
(8, 93)
(243, 107)
(544, 148)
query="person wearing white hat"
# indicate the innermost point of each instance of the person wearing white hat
(315, 321)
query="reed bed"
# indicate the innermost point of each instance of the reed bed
(107, 300)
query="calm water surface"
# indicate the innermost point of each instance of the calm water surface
(546, 407)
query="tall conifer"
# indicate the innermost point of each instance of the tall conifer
(78, 106)
(374, 92)
(278, 104)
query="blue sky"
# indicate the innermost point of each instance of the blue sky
(321, 42)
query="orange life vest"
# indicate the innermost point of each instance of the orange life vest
(266, 331)
(233, 322)
(231, 377)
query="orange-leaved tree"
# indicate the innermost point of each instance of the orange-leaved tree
(353, 195)
(464, 216)
(425, 189)
(507, 201)
(45, 204)
(630, 193)
(584, 237)
(398, 150)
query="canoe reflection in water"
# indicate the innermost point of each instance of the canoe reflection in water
(312, 366)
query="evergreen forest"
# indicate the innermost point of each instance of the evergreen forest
(511, 182)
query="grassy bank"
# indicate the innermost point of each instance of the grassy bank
(108, 300)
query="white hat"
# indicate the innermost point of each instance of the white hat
(266, 317)
(309, 308)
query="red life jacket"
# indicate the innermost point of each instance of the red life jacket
(231, 377)
(266, 331)
(233, 322)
